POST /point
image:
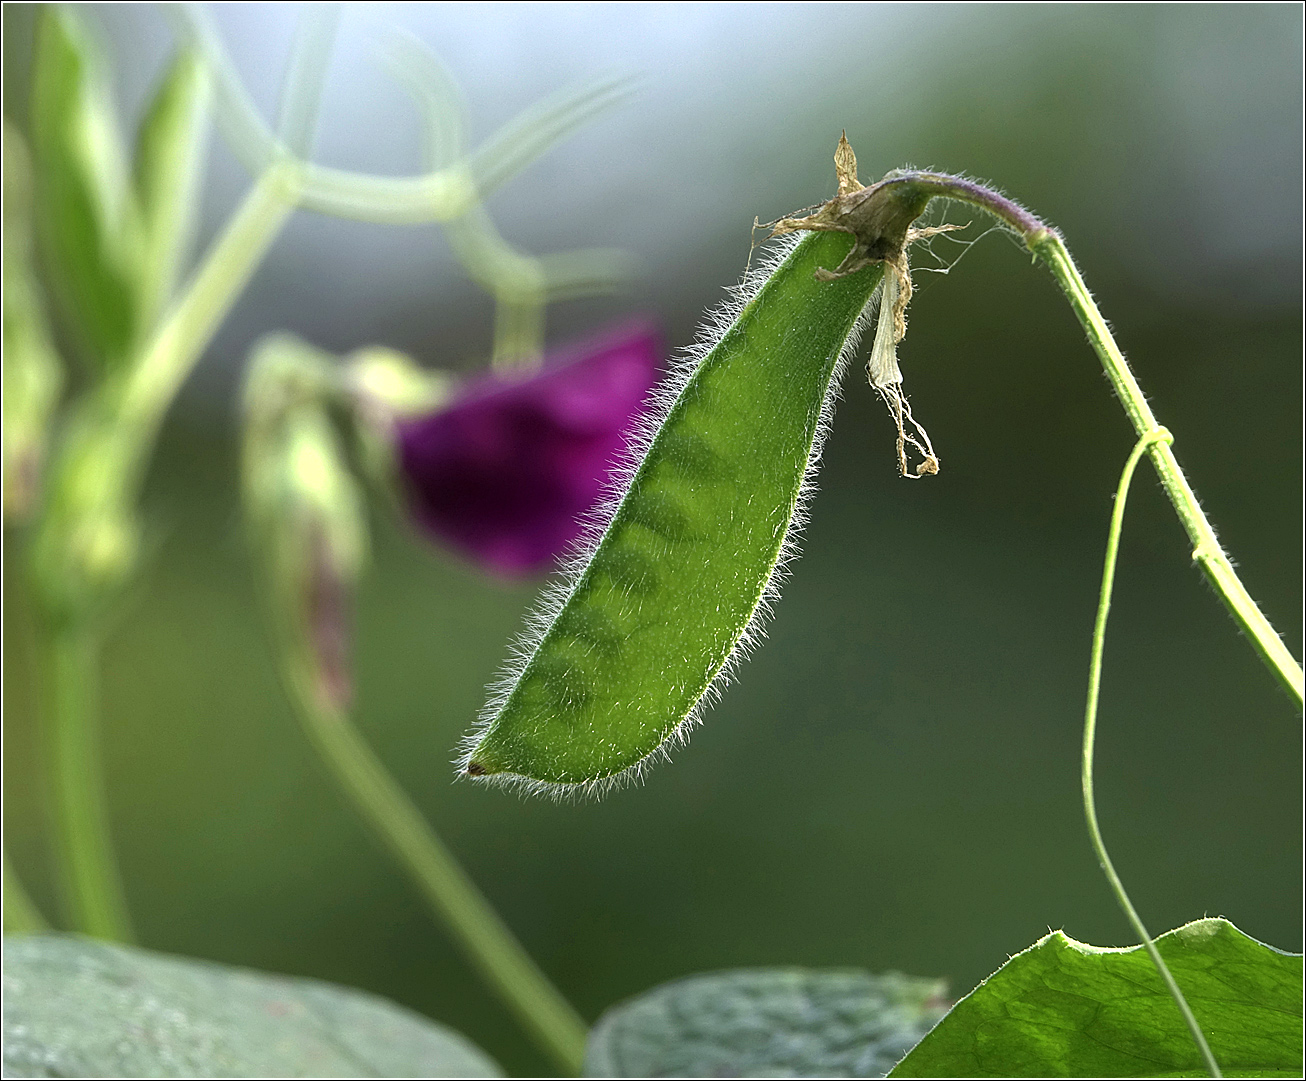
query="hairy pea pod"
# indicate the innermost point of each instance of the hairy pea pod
(620, 657)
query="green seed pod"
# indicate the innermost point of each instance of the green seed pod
(86, 219)
(647, 624)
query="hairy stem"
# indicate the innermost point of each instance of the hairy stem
(1206, 548)
(482, 936)
(1158, 437)
(88, 873)
(1047, 244)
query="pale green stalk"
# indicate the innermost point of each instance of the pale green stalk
(310, 529)
(101, 470)
(1158, 437)
(92, 887)
(479, 932)
(189, 326)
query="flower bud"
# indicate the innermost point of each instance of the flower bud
(308, 515)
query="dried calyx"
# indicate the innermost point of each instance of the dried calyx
(879, 218)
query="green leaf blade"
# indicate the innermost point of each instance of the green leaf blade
(85, 212)
(1065, 1009)
(766, 1022)
(77, 1007)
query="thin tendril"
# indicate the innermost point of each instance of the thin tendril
(301, 90)
(1156, 436)
(434, 196)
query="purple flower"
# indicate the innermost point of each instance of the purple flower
(506, 473)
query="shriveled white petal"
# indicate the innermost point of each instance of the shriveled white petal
(883, 365)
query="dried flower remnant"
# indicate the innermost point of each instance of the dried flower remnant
(880, 219)
(508, 472)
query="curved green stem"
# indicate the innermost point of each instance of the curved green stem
(479, 932)
(1206, 548)
(92, 889)
(1158, 437)
(1047, 244)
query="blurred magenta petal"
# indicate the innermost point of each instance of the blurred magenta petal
(506, 473)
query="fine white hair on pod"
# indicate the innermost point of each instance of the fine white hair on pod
(559, 591)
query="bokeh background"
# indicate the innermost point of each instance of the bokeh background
(893, 780)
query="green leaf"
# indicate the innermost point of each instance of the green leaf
(168, 167)
(85, 212)
(76, 1007)
(1065, 1009)
(767, 1022)
(32, 370)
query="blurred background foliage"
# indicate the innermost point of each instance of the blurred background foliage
(893, 780)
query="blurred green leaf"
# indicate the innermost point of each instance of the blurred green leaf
(32, 372)
(168, 168)
(1065, 1009)
(85, 214)
(76, 1007)
(767, 1022)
